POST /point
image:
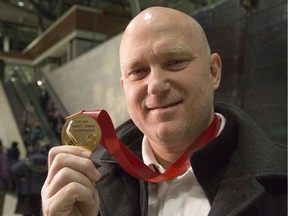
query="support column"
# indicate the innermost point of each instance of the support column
(135, 7)
(6, 43)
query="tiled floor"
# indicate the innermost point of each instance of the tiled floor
(9, 206)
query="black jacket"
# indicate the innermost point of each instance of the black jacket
(241, 171)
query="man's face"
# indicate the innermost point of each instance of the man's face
(167, 81)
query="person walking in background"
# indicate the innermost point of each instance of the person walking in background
(36, 133)
(4, 176)
(28, 116)
(13, 154)
(44, 99)
(31, 174)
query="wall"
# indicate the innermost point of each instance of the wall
(265, 67)
(253, 45)
(92, 81)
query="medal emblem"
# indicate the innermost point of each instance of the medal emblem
(81, 130)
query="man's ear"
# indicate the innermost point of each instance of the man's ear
(215, 69)
(121, 82)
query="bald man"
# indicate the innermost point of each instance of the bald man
(210, 159)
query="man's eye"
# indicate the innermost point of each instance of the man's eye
(177, 64)
(138, 74)
(173, 62)
(138, 71)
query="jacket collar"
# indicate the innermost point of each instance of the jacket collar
(231, 167)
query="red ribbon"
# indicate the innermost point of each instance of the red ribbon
(132, 164)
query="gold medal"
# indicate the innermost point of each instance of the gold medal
(81, 130)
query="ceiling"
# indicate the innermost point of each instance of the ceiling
(21, 21)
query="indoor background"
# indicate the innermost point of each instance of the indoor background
(68, 50)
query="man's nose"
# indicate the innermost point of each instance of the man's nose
(158, 82)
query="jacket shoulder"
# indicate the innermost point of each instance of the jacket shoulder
(128, 132)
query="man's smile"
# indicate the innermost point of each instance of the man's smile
(164, 106)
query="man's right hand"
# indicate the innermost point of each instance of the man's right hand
(70, 185)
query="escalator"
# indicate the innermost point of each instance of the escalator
(38, 111)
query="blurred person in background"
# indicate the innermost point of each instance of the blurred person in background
(13, 154)
(4, 176)
(31, 174)
(28, 116)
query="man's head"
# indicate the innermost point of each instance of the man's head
(168, 75)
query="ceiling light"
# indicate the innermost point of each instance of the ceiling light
(20, 3)
(39, 83)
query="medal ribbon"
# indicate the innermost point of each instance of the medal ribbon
(136, 167)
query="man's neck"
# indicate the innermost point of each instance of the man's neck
(167, 155)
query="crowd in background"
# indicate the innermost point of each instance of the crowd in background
(32, 130)
(23, 178)
(52, 114)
